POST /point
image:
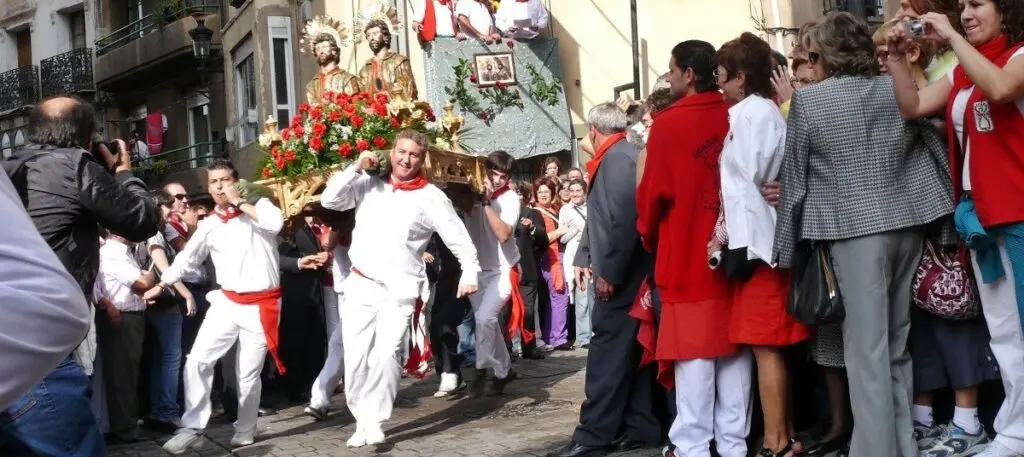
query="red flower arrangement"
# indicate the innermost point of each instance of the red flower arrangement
(334, 132)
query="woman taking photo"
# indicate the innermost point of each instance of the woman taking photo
(752, 154)
(864, 184)
(983, 102)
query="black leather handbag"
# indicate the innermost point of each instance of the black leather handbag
(736, 266)
(814, 298)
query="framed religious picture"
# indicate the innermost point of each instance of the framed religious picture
(494, 68)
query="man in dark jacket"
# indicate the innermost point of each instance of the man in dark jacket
(618, 411)
(69, 195)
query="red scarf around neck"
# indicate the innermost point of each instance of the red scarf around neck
(599, 154)
(995, 133)
(418, 182)
(179, 225)
(497, 193)
(227, 214)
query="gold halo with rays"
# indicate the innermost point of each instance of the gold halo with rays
(323, 24)
(377, 11)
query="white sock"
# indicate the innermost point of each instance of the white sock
(923, 415)
(967, 419)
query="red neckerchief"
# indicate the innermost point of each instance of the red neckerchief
(497, 193)
(418, 182)
(599, 154)
(179, 225)
(991, 49)
(228, 214)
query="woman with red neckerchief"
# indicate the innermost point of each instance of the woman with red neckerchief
(983, 100)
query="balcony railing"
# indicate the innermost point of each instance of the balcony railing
(19, 87)
(180, 159)
(153, 22)
(67, 73)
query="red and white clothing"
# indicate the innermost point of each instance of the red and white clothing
(333, 370)
(246, 261)
(476, 13)
(393, 224)
(497, 261)
(444, 16)
(176, 228)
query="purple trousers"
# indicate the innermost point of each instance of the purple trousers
(555, 331)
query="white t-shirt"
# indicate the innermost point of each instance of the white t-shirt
(478, 15)
(958, 113)
(492, 255)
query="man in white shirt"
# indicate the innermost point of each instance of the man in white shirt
(241, 239)
(475, 20)
(491, 224)
(120, 330)
(444, 22)
(521, 20)
(395, 218)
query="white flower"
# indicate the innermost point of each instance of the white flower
(346, 132)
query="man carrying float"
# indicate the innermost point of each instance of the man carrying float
(395, 218)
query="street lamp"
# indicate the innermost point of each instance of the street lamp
(201, 37)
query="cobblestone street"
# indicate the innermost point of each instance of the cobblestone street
(536, 415)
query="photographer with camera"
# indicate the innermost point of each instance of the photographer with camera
(69, 195)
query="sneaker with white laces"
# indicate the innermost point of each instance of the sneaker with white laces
(318, 414)
(956, 442)
(997, 449)
(374, 434)
(450, 383)
(927, 435)
(183, 440)
(358, 438)
(243, 438)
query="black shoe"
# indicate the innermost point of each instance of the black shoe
(565, 347)
(575, 449)
(533, 355)
(823, 448)
(479, 384)
(498, 385)
(627, 444)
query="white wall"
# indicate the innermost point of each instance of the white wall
(51, 31)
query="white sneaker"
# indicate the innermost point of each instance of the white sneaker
(358, 438)
(184, 438)
(374, 434)
(243, 438)
(450, 384)
(995, 449)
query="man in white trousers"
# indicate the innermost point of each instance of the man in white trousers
(394, 219)
(330, 375)
(491, 223)
(241, 239)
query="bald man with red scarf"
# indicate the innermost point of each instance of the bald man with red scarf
(395, 217)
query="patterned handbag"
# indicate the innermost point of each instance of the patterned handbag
(943, 287)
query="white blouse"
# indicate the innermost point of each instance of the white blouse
(752, 154)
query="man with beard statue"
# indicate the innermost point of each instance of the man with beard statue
(386, 71)
(324, 38)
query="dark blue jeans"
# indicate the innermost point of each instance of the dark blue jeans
(467, 339)
(165, 365)
(53, 419)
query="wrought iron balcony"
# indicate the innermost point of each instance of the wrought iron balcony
(154, 22)
(67, 73)
(19, 87)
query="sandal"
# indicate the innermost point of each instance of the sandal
(765, 452)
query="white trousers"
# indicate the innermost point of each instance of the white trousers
(226, 322)
(330, 375)
(373, 329)
(495, 287)
(999, 304)
(712, 402)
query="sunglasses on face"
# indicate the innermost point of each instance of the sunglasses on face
(180, 197)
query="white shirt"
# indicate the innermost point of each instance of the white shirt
(341, 266)
(574, 217)
(444, 15)
(752, 154)
(495, 255)
(529, 14)
(118, 272)
(244, 251)
(960, 109)
(478, 15)
(393, 227)
(45, 314)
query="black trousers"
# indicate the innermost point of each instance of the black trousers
(530, 291)
(303, 334)
(121, 349)
(619, 397)
(445, 316)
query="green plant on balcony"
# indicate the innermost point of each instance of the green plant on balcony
(168, 11)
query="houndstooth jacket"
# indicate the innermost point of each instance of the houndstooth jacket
(854, 167)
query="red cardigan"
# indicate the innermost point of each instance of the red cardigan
(997, 154)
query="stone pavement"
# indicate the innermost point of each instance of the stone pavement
(535, 416)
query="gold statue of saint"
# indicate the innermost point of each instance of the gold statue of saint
(386, 71)
(330, 77)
